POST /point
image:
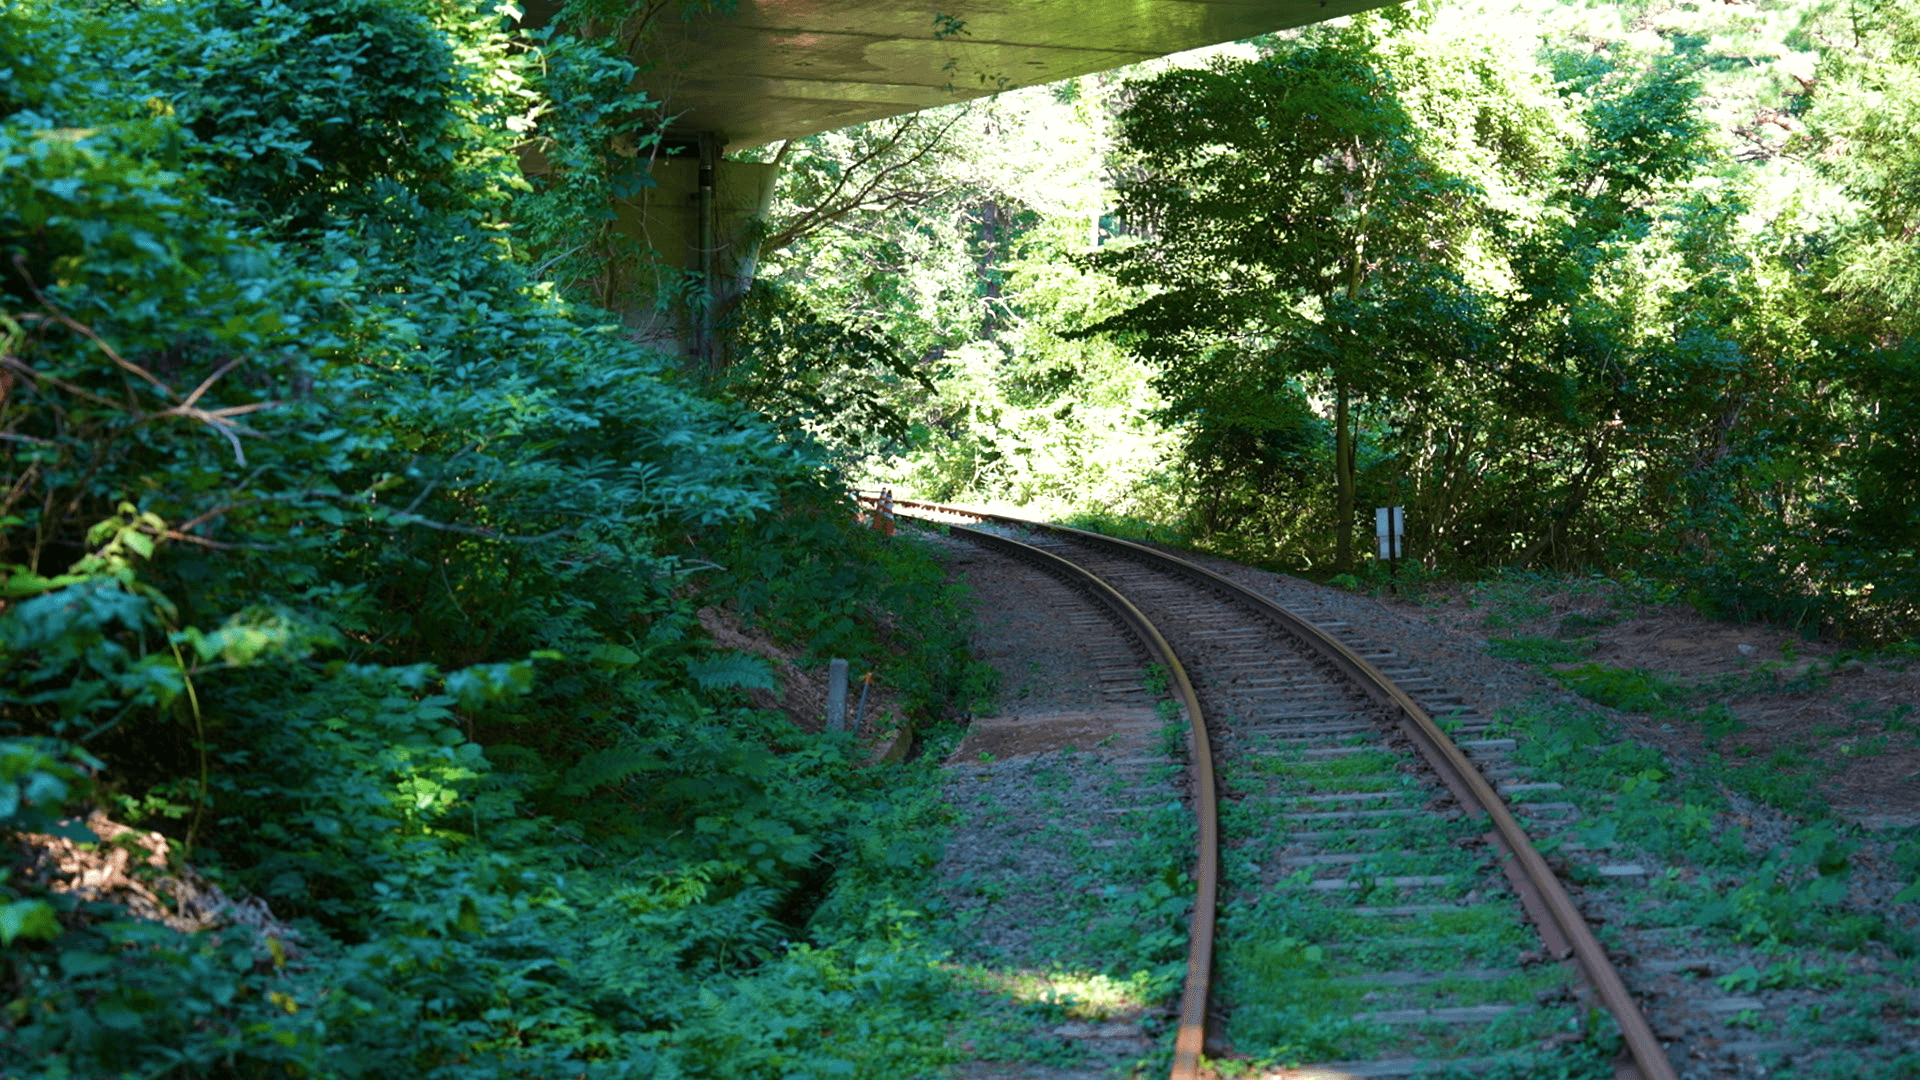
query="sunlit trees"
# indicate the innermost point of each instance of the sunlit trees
(1632, 284)
(1327, 213)
(863, 278)
(1864, 133)
(1864, 122)
(956, 267)
(1601, 348)
(334, 545)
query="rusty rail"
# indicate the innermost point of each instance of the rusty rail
(1563, 930)
(1206, 808)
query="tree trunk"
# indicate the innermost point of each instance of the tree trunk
(1342, 479)
(1553, 542)
(1343, 422)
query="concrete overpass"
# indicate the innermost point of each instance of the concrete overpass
(783, 69)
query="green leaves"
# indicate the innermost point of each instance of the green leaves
(486, 684)
(732, 671)
(40, 781)
(66, 658)
(30, 919)
(1645, 136)
(1861, 126)
(1321, 220)
(325, 517)
(806, 369)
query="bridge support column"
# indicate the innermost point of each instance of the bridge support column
(703, 218)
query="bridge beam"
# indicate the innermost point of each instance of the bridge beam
(782, 69)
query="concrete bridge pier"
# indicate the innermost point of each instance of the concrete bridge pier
(702, 218)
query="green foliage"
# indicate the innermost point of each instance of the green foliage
(1512, 597)
(589, 138)
(372, 566)
(1626, 296)
(1862, 120)
(1791, 895)
(1596, 322)
(338, 541)
(1308, 219)
(840, 382)
(1296, 961)
(1534, 650)
(1618, 688)
(864, 280)
(878, 1014)
(1793, 973)
(38, 778)
(904, 255)
(811, 575)
(389, 97)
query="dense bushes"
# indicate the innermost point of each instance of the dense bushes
(341, 550)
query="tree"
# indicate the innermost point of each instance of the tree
(1296, 209)
(861, 278)
(905, 251)
(1864, 132)
(305, 475)
(885, 167)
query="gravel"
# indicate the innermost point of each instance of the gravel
(1047, 779)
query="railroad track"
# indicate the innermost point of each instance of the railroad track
(1370, 867)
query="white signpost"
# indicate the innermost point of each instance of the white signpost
(1389, 528)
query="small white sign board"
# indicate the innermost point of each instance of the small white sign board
(1390, 529)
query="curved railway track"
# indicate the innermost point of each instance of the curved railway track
(1290, 715)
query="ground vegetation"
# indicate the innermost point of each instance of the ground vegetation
(373, 577)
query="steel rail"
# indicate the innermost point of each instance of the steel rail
(1562, 928)
(1191, 1039)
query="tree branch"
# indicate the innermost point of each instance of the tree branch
(836, 204)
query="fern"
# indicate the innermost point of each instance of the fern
(732, 670)
(607, 767)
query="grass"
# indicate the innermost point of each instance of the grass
(1787, 778)
(1331, 771)
(1893, 719)
(1361, 763)
(1511, 597)
(1629, 690)
(1061, 993)
(1113, 946)
(1294, 959)
(1790, 783)
(1538, 650)
(1126, 528)
(1575, 623)
(1784, 906)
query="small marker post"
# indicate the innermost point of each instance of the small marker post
(860, 710)
(837, 695)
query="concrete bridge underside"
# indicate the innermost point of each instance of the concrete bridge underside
(784, 69)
